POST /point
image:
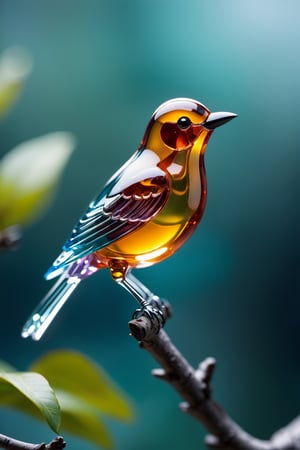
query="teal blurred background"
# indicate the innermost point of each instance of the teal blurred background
(100, 69)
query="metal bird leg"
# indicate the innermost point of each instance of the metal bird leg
(155, 308)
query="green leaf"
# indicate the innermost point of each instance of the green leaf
(5, 367)
(85, 393)
(30, 392)
(78, 375)
(29, 175)
(15, 65)
(80, 419)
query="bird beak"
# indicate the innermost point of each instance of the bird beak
(217, 119)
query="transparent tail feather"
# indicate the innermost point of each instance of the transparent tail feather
(48, 308)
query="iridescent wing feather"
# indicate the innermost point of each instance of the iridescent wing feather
(134, 195)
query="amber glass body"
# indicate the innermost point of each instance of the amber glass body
(172, 226)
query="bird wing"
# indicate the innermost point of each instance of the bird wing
(132, 197)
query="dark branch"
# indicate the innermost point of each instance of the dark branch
(13, 444)
(194, 387)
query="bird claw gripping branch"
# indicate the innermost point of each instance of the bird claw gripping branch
(144, 213)
(156, 310)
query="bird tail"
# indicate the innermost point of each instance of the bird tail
(50, 305)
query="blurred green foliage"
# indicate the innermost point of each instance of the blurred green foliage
(83, 394)
(15, 66)
(30, 172)
(29, 175)
(29, 392)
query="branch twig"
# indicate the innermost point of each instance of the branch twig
(194, 387)
(13, 444)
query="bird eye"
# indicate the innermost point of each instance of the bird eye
(184, 122)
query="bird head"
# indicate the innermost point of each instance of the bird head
(178, 124)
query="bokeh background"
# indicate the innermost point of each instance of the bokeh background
(100, 69)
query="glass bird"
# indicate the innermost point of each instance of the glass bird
(145, 212)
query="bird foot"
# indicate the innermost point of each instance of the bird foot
(157, 310)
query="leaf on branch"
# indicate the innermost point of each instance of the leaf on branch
(15, 66)
(30, 392)
(29, 175)
(76, 374)
(82, 420)
(85, 393)
(5, 367)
